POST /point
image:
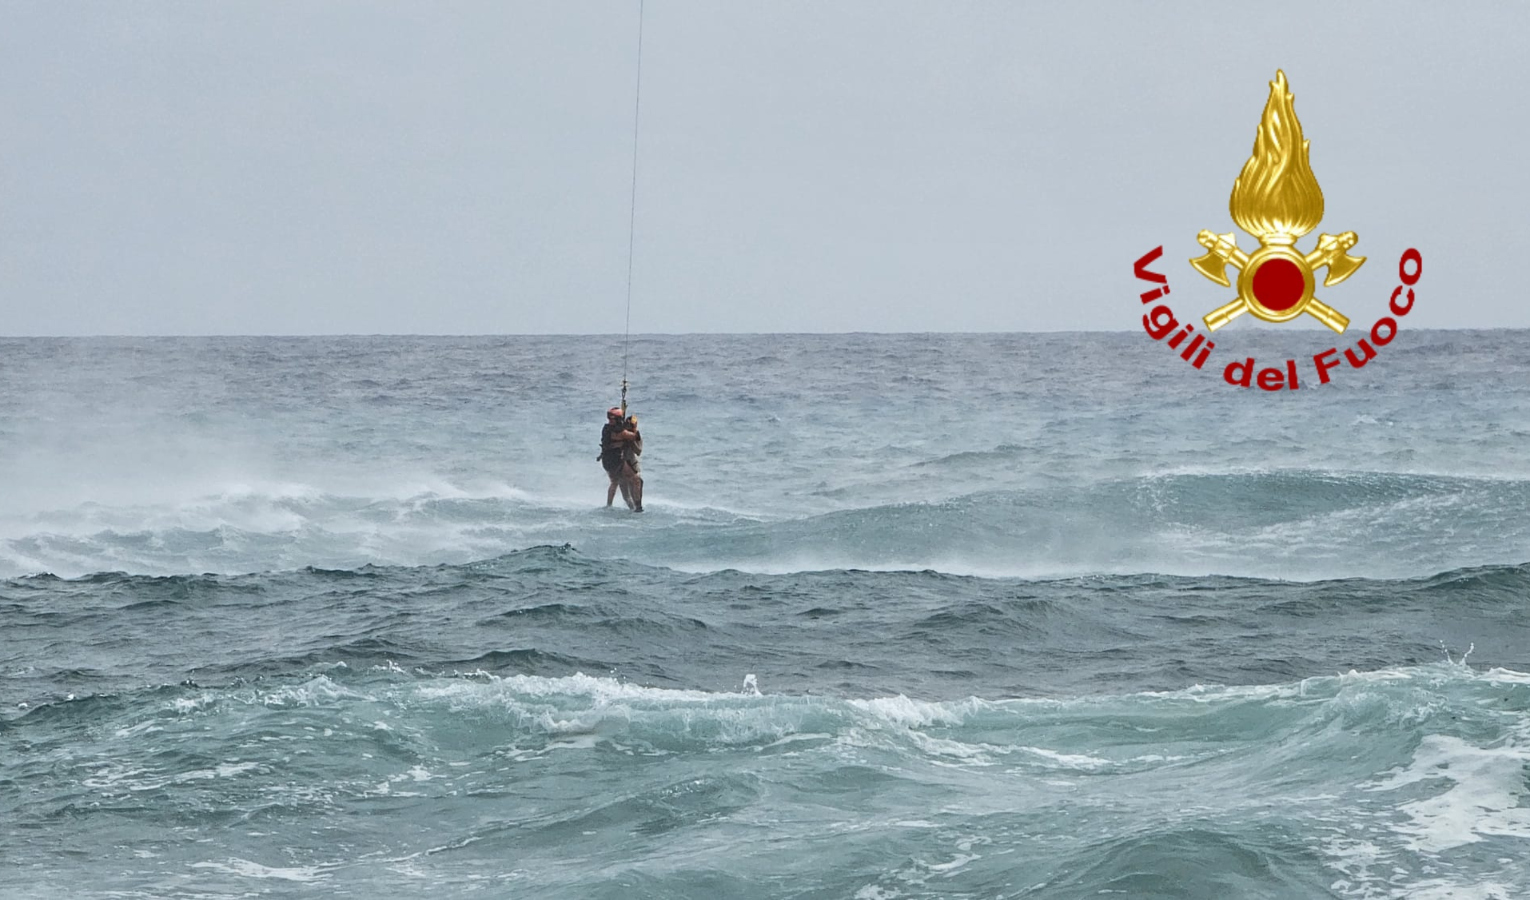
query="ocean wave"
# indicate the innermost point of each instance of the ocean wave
(1383, 783)
(553, 610)
(1294, 524)
(1487, 584)
(1393, 699)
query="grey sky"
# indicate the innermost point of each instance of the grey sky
(297, 167)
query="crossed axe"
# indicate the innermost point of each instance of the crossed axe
(1332, 251)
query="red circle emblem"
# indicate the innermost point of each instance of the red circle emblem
(1279, 285)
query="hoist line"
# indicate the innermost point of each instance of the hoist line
(637, 109)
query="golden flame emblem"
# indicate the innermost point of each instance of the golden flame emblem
(1276, 199)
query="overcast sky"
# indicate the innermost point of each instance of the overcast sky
(328, 167)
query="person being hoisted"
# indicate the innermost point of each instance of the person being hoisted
(632, 448)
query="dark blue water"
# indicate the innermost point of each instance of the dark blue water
(908, 616)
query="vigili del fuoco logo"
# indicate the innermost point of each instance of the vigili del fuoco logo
(1276, 199)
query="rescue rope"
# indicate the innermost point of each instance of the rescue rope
(637, 108)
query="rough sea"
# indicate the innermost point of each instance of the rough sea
(908, 616)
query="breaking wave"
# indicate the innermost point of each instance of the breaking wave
(1296, 524)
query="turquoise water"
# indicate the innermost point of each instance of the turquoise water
(908, 616)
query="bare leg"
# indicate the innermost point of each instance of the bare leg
(636, 481)
(626, 487)
(611, 491)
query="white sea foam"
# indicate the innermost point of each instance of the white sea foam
(335, 521)
(317, 691)
(1081, 761)
(1485, 798)
(247, 869)
(908, 713)
(1500, 675)
(1447, 889)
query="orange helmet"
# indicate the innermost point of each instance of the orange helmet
(614, 412)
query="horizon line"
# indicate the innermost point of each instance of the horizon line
(607, 334)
